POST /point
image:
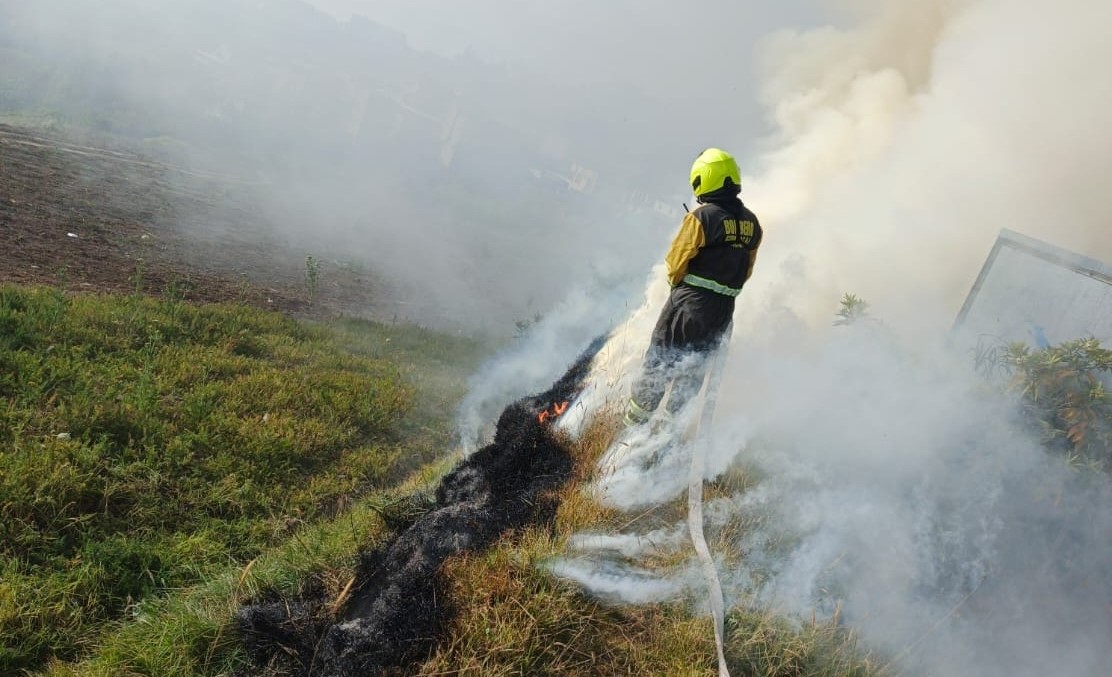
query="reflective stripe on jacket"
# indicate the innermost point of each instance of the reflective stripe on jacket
(716, 247)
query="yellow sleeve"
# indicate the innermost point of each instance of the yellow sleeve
(684, 248)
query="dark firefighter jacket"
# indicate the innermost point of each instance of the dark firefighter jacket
(716, 247)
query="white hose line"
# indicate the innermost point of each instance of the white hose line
(695, 506)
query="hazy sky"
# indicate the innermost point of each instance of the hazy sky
(652, 42)
(661, 46)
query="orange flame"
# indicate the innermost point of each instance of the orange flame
(553, 412)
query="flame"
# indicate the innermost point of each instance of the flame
(553, 412)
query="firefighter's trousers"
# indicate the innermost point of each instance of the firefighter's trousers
(692, 324)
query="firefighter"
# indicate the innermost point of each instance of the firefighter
(708, 263)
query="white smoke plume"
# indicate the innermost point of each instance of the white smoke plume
(905, 145)
(886, 485)
(890, 488)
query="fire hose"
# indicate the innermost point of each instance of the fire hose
(695, 504)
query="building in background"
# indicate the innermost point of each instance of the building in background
(1036, 293)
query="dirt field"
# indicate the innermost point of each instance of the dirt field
(108, 219)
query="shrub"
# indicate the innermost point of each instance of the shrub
(1064, 394)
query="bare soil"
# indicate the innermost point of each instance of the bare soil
(103, 219)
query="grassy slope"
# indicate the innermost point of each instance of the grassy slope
(147, 446)
(512, 617)
(516, 619)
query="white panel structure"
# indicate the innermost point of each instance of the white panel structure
(1034, 292)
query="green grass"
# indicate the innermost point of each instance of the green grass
(190, 633)
(145, 551)
(513, 618)
(148, 446)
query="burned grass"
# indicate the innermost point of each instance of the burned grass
(395, 613)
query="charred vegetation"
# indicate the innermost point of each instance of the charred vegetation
(395, 613)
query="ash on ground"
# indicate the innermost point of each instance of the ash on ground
(396, 613)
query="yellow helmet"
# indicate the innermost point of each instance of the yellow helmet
(713, 170)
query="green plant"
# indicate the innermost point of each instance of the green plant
(312, 276)
(137, 277)
(243, 289)
(1064, 393)
(176, 289)
(854, 309)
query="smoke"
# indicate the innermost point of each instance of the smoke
(485, 187)
(475, 192)
(886, 487)
(881, 482)
(894, 489)
(534, 357)
(620, 582)
(907, 142)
